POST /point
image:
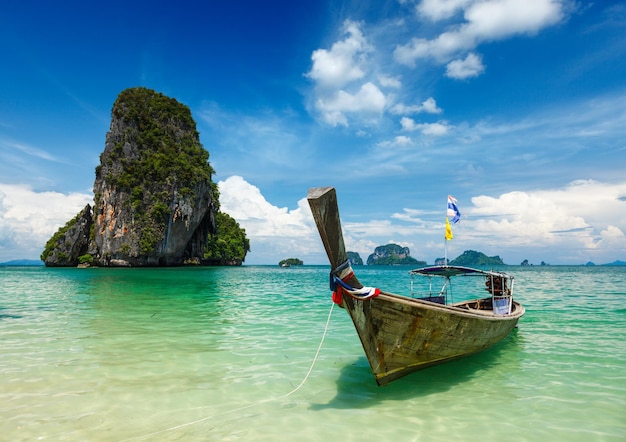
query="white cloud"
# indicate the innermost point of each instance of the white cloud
(571, 222)
(367, 100)
(408, 124)
(440, 9)
(484, 20)
(344, 62)
(433, 129)
(470, 66)
(29, 218)
(496, 19)
(350, 74)
(429, 106)
(399, 141)
(391, 82)
(441, 49)
(344, 85)
(582, 221)
(276, 232)
(567, 225)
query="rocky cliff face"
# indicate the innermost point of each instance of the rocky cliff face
(155, 202)
(392, 254)
(124, 237)
(70, 242)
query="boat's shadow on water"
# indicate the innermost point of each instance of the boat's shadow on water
(356, 386)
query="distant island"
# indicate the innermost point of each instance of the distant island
(393, 254)
(473, 258)
(614, 263)
(526, 263)
(22, 262)
(355, 259)
(290, 262)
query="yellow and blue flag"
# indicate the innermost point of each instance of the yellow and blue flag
(453, 209)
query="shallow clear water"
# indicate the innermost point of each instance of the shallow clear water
(216, 354)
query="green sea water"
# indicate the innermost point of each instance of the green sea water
(220, 354)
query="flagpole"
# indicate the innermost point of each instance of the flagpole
(451, 210)
(445, 250)
(445, 238)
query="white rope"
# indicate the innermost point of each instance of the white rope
(363, 292)
(306, 377)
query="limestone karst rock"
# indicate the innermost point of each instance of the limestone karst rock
(154, 201)
(70, 242)
(392, 254)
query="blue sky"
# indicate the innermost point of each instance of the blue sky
(517, 109)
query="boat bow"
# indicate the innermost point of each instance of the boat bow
(401, 334)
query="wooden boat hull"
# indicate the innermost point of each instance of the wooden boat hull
(400, 334)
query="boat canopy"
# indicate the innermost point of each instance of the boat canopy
(448, 271)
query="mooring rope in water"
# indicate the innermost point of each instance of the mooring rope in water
(206, 418)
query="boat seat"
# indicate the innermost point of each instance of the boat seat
(440, 299)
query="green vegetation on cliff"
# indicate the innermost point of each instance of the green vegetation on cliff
(393, 254)
(168, 147)
(155, 202)
(230, 243)
(394, 260)
(52, 242)
(355, 259)
(154, 155)
(474, 259)
(70, 241)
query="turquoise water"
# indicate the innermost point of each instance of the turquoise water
(219, 353)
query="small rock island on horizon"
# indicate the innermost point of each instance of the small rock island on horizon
(393, 254)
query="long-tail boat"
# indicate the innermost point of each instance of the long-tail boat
(402, 334)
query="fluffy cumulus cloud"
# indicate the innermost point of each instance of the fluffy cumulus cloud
(277, 232)
(470, 66)
(390, 82)
(482, 21)
(570, 224)
(342, 83)
(429, 129)
(367, 100)
(343, 62)
(428, 106)
(349, 86)
(436, 10)
(399, 141)
(566, 225)
(29, 218)
(362, 77)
